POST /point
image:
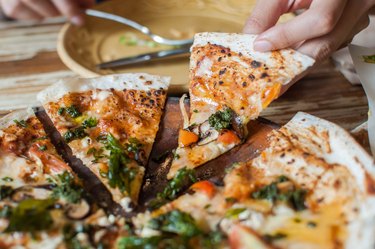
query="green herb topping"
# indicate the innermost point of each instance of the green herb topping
(183, 178)
(295, 197)
(234, 212)
(66, 188)
(76, 133)
(31, 215)
(7, 179)
(271, 238)
(43, 148)
(96, 153)
(20, 123)
(221, 119)
(119, 174)
(73, 111)
(90, 123)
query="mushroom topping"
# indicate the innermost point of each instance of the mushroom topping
(78, 211)
(24, 193)
(208, 137)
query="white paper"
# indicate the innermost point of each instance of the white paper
(366, 73)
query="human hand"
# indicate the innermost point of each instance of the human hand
(40, 9)
(325, 26)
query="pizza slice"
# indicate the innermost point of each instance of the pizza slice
(110, 123)
(42, 202)
(313, 187)
(230, 84)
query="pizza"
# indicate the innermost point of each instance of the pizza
(313, 187)
(42, 201)
(110, 123)
(230, 84)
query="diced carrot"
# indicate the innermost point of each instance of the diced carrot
(206, 187)
(228, 137)
(270, 94)
(187, 138)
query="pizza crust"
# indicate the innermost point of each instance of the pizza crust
(136, 81)
(295, 62)
(8, 120)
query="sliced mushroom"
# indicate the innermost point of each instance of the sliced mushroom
(237, 126)
(208, 137)
(78, 211)
(24, 193)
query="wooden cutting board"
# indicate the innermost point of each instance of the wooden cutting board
(166, 140)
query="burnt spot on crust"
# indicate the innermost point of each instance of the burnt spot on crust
(251, 77)
(148, 82)
(264, 75)
(222, 71)
(255, 64)
(244, 84)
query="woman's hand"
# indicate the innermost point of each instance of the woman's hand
(325, 26)
(40, 9)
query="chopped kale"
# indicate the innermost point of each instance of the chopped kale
(90, 123)
(7, 179)
(96, 153)
(295, 197)
(133, 145)
(67, 188)
(73, 111)
(182, 179)
(20, 123)
(5, 192)
(76, 133)
(221, 119)
(31, 215)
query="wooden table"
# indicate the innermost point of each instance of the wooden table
(29, 63)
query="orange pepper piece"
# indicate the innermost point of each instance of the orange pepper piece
(187, 138)
(228, 137)
(206, 187)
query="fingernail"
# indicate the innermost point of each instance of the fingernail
(77, 20)
(262, 46)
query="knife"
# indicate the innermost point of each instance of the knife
(132, 60)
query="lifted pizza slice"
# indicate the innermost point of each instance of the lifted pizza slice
(230, 84)
(110, 123)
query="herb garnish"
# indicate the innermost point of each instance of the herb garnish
(31, 215)
(7, 179)
(295, 197)
(70, 236)
(73, 111)
(183, 178)
(67, 188)
(271, 238)
(73, 134)
(90, 122)
(43, 148)
(119, 174)
(221, 119)
(20, 123)
(369, 58)
(96, 153)
(234, 212)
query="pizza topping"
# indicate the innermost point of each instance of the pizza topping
(270, 238)
(221, 119)
(90, 122)
(27, 192)
(206, 187)
(96, 153)
(73, 111)
(20, 123)
(187, 138)
(31, 215)
(76, 133)
(282, 190)
(78, 211)
(182, 178)
(67, 188)
(228, 137)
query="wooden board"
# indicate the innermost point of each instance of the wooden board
(166, 140)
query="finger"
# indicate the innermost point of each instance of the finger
(300, 4)
(84, 4)
(322, 47)
(43, 7)
(265, 15)
(17, 10)
(71, 10)
(320, 19)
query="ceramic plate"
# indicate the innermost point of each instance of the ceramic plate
(82, 48)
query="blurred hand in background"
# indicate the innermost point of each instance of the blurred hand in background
(321, 29)
(41, 9)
